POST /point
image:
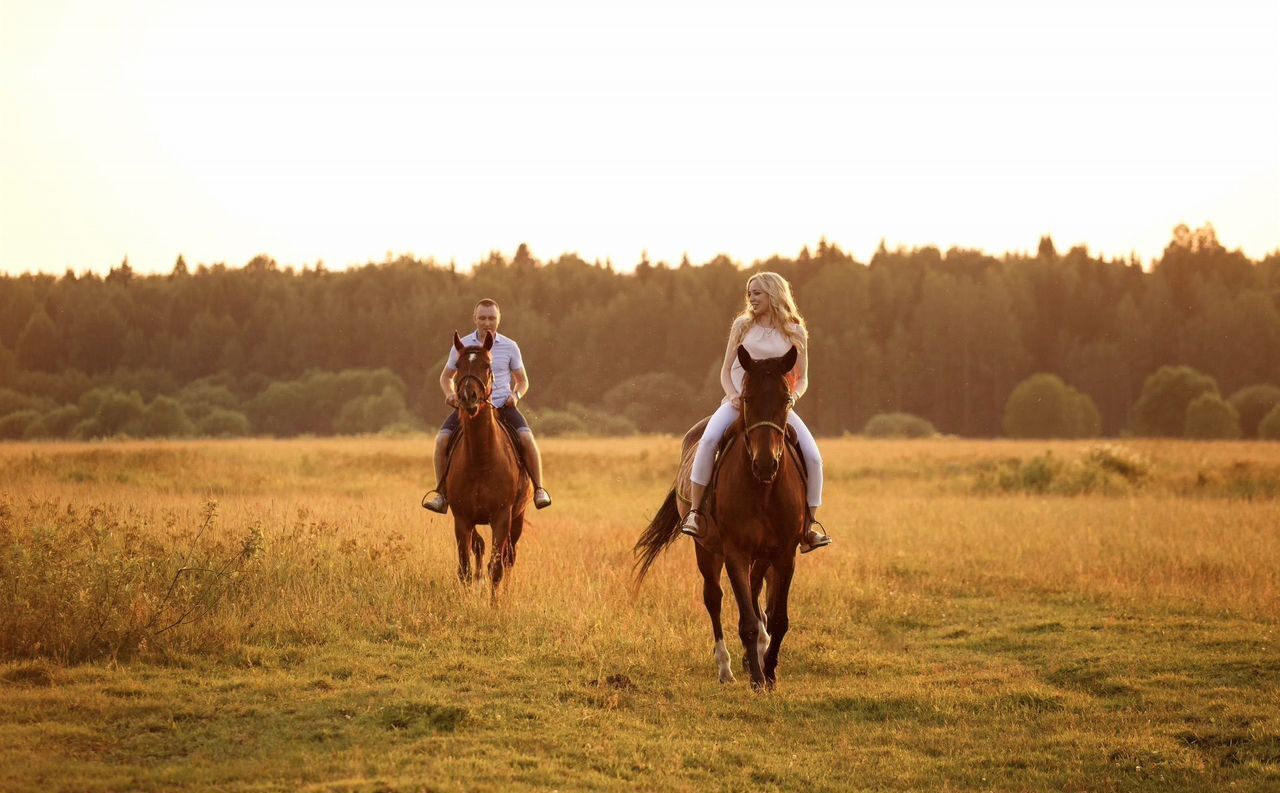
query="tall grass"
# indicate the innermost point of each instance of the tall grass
(109, 550)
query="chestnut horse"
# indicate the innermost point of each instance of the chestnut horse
(486, 483)
(755, 510)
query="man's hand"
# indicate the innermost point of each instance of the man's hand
(451, 400)
(514, 399)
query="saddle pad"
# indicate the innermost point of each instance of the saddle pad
(684, 479)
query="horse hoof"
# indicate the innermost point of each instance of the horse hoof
(727, 677)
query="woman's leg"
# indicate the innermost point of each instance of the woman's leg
(813, 538)
(704, 462)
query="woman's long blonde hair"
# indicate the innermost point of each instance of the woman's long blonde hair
(782, 308)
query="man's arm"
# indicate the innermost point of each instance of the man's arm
(446, 386)
(519, 386)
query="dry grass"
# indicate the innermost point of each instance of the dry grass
(963, 631)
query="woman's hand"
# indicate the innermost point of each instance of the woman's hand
(736, 401)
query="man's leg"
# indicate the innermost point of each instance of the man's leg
(533, 461)
(439, 460)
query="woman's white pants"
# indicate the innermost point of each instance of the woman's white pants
(723, 418)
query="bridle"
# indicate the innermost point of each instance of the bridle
(747, 445)
(486, 386)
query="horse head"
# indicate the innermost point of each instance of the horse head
(473, 379)
(766, 400)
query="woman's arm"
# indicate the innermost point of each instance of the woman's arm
(731, 355)
(802, 366)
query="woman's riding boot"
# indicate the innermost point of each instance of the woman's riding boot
(815, 537)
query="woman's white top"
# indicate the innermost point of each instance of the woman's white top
(762, 343)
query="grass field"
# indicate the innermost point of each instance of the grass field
(992, 615)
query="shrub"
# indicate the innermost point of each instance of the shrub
(12, 401)
(1208, 418)
(223, 423)
(1253, 403)
(654, 402)
(165, 419)
(366, 414)
(1101, 469)
(14, 425)
(95, 583)
(556, 423)
(1269, 427)
(1042, 406)
(108, 412)
(1161, 410)
(602, 423)
(1118, 459)
(57, 423)
(898, 425)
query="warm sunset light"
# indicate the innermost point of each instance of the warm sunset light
(338, 132)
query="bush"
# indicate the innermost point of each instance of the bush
(1209, 418)
(367, 414)
(14, 425)
(57, 423)
(601, 423)
(199, 398)
(898, 425)
(1042, 406)
(557, 423)
(1161, 410)
(164, 419)
(1269, 427)
(313, 403)
(109, 412)
(654, 402)
(1253, 403)
(11, 402)
(1101, 469)
(223, 423)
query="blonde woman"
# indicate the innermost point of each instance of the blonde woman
(767, 327)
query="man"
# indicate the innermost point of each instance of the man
(510, 384)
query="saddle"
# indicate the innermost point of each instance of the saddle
(453, 446)
(735, 431)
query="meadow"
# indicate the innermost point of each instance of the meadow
(281, 615)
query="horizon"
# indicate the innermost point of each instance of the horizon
(311, 133)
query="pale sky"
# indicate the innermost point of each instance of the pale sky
(312, 130)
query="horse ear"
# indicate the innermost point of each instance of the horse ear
(744, 357)
(789, 360)
(488, 340)
(457, 342)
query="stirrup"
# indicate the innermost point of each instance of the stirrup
(545, 501)
(822, 541)
(690, 527)
(439, 504)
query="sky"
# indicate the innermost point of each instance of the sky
(343, 132)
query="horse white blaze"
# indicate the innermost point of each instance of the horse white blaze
(722, 661)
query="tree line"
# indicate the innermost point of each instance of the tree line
(943, 336)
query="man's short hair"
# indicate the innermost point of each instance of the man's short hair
(488, 301)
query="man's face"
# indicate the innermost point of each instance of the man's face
(486, 318)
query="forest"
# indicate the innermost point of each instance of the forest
(961, 341)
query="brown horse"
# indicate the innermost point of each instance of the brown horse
(756, 506)
(485, 481)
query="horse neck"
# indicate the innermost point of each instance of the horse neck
(480, 432)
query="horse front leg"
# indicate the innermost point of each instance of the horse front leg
(748, 623)
(463, 533)
(710, 565)
(498, 557)
(758, 569)
(780, 574)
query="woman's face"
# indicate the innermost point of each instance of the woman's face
(758, 299)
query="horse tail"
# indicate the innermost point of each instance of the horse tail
(663, 530)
